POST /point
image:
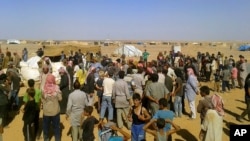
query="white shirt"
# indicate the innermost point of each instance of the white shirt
(108, 86)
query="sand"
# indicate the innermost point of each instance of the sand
(234, 101)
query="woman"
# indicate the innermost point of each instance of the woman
(51, 108)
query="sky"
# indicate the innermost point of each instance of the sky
(186, 20)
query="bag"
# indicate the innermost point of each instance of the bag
(107, 134)
(115, 138)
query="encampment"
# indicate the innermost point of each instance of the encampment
(128, 50)
(244, 48)
(54, 51)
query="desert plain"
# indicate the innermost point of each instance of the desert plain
(234, 101)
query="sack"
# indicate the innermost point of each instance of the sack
(115, 138)
(106, 132)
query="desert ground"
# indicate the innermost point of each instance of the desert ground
(234, 101)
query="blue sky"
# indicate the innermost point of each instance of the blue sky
(190, 20)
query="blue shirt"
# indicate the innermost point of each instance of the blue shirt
(165, 114)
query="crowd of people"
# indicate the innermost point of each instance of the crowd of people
(143, 96)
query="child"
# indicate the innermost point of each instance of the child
(88, 124)
(164, 113)
(37, 97)
(138, 115)
(29, 116)
(160, 134)
(217, 80)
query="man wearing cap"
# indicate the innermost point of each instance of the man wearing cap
(242, 70)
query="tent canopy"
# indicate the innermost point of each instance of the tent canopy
(128, 50)
(244, 48)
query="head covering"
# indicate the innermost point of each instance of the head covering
(50, 87)
(65, 72)
(61, 69)
(70, 63)
(46, 58)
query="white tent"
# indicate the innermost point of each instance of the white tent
(128, 50)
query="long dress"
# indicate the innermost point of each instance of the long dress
(213, 125)
(65, 89)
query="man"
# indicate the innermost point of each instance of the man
(242, 70)
(212, 126)
(138, 81)
(90, 86)
(17, 60)
(107, 84)
(205, 103)
(122, 99)
(75, 106)
(65, 88)
(191, 90)
(145, 56)
(247, 100)
(44, 74)
(4, 90)
(15, 80)
(154, 92)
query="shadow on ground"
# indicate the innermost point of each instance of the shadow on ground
(186, 135)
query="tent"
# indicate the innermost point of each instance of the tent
(177, 49)
(244, 48)
(128, 50)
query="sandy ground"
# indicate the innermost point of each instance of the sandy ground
(234, 101)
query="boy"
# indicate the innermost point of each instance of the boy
(160, 134)
(37, 97)
(88, 124)
(138, 115)
(29, 116)
(164, 113)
